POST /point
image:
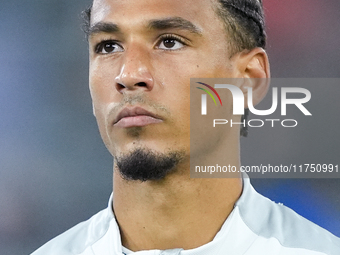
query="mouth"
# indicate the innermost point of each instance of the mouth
(135, 117)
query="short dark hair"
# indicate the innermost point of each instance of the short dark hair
(243, 19)
(245, 23)
(86, 15)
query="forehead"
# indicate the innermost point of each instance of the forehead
(136, 12)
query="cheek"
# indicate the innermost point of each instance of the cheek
(102, 87)
(102, 129)
(102, 93)
(101, 84)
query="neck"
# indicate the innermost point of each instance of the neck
(177, 212)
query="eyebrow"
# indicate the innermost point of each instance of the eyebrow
(156, 24)
(174, 23)
(103, 27)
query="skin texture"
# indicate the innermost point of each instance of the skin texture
(174, 212)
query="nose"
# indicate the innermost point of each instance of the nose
(135, 72)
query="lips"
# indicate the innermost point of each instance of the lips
(135, 117)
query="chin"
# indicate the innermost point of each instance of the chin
(145, 164)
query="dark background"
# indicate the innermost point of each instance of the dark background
(54, 169)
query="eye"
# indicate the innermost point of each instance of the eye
(171, 42)
(108, 47)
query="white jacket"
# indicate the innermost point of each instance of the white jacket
(256, 226)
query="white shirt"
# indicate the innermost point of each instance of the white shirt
(256, 226)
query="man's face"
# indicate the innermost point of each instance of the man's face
(142, 56)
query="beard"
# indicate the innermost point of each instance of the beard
(147, 165)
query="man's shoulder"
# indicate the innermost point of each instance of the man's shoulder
(78, 239)
(278, 223)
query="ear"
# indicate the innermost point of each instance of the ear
(253, 66)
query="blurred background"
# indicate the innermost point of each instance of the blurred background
(54, 169)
